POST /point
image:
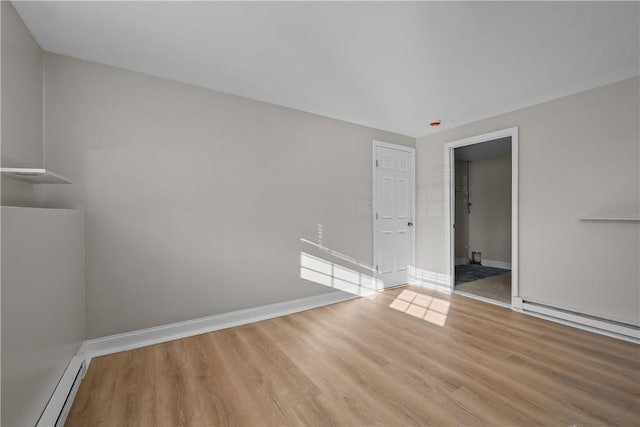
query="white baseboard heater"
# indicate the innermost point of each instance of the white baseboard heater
(55, 414)
(583, 321)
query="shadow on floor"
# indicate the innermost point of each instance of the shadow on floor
(470, 272)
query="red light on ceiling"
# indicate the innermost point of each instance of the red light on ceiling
(435, 123)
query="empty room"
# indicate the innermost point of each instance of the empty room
(320, 213)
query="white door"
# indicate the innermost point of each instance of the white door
(393, 212)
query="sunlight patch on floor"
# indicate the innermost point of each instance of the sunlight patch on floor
(431, 309)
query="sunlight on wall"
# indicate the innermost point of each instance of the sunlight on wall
(425, 307)
(336, 254)
(430, 279)
(333, 275)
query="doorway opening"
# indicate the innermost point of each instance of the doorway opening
(482, 213)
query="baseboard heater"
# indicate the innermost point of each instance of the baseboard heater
(585, 321)
(55, 414)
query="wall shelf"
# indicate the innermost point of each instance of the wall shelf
(610, 218)
(34, 176)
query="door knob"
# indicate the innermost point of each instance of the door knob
(410, 224)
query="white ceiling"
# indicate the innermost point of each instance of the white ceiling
(392, 66)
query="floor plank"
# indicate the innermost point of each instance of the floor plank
(406, 356)
(494, 287)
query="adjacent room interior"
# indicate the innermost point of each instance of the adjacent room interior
(482, 228)
(320, 213)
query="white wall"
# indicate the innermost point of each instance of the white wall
(21, 134)
(578, 155)
(490, 218)
(43, 311)
(196, 200)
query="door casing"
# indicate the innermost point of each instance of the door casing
(449, 204)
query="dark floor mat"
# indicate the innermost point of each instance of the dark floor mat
(470, 272)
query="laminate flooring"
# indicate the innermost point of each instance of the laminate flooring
(406, 356)
(497, 288)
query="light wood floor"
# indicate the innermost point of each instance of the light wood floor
(406, 357)
(494, 287)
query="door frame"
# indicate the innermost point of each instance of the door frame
(449, 203)
(374, 205)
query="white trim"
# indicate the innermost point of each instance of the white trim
(34, 175)
(609, 218)
(515, 227)
(496, 264)
(449, 200)
(378, 143)
(374, 199)
(577, 320)
(57, 409)
(429, 280)
(516, 303)
(444, 289)
(144, 337)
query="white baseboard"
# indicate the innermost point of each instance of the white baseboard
(144, 337)
(486, 262)
(439, 282)
(580, 321)
(516, 303)
(57, 409)
(496, 264)
(431, 285)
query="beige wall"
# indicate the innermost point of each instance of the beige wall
(462, 211)
(196, 200)
(578, 155)
(21, 106)
(490, 219)
(43, 311)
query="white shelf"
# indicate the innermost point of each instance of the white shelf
(610, 218)
(34, 176)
